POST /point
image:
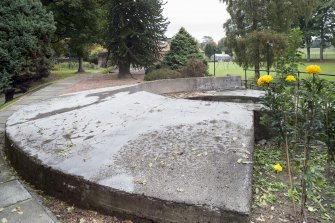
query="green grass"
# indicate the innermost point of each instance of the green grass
(328, 54)
(230, 68)
(54, 76)
(327, 67)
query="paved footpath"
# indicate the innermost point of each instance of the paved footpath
(18, 203)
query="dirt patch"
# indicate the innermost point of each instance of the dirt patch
(105, 80)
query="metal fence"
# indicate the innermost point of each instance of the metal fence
(251, 83)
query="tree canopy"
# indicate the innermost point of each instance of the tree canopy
(210, 49)
(256, 25)
(78, 23)
(25, 30)
(183, 47)
(135, 33)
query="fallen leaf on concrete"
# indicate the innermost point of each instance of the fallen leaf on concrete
(239, 160)
(1, 209)
(180, 189)
(17, 210)
(82, 220)
(150, 165)
(4, 220)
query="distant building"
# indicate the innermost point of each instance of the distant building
(222, 57)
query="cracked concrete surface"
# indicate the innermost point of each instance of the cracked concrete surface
(180, 153)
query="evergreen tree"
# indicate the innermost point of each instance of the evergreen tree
(255, 26)
(205, 40)
(25, 29)
(183, 47)
(210, 49)
(136, 30)
(79, 23)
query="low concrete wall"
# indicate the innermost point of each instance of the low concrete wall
(84, 193)
(191, 84)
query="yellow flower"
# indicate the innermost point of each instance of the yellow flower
(313, 69)
(290, 78)
(264, 80)
(277, 167)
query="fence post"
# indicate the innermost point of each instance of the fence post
(245, 78)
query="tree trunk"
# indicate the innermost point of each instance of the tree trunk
(308, 53)
(9, 95)
(322, 38)
(81, 65)
(257, 73)
(124, 69)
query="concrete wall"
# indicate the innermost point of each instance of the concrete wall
(192, 84)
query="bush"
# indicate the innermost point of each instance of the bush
(183, 47)
(195, 68)
(163, 73)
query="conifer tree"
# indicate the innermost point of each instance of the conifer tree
(135, 32)
(183, 47)
(25, 30)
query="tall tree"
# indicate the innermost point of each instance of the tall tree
(136, 30)
(183, 47)
(210, 49)
(205, 40)
(255, 25)
(78, 22)
(305, 22)
(25, 30)
(220, 46)
(324, 22)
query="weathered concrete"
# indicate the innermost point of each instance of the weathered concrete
(13, 192)
(28, 211)
(136, 153)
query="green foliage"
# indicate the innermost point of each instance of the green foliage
(289, 62)
(221, 46)
(183, 47)
(253, 24)
(210, 49)
(162, 73)
(264, 188)
(135, 33)
(79, 24)
(25, 29)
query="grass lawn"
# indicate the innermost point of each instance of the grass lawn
(230, 68)
(327, 67)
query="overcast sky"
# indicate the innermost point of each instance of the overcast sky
(199, 17)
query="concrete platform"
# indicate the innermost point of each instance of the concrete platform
(127, 151)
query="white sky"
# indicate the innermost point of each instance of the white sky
(199, 17)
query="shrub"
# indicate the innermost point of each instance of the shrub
(163, 73)
(183, 47)
(194, 68)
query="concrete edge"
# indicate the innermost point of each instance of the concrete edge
(86, 194)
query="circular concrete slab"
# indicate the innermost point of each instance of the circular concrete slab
(137, 153)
